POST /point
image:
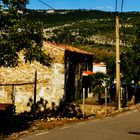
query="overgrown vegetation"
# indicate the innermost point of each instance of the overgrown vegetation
(19, 34)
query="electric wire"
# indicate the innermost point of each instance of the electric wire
(122, 6)
(47, 5)
(123, 25)
(116, 6)
(122, 22)
(123, 31)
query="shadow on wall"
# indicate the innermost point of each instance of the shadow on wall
(23, 121)
(63, 110)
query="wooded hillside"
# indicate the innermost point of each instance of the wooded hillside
(94, 31)
(89, 29)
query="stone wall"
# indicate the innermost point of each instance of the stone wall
(98, 110)
(50, 81)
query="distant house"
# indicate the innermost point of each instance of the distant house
(61, 81)
(99, 67)
(50, 11)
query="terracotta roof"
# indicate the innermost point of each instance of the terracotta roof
(86, 73)
(67, 47)
(99, 64)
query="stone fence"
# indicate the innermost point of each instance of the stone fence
(98, 110)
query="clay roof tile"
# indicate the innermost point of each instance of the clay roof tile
(68, 47)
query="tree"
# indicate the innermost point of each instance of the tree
(130, 60)
(19, 34)
(111, 67)
(96, 81)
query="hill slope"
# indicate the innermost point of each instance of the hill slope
(91, 30)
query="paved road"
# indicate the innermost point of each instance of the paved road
(125, 126)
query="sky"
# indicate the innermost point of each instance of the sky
(104, 5)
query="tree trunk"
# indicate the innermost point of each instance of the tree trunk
(99, 98)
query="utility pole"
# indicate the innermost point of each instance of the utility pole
(118, 89)
(35, 88)
(83, 102)
(0, 20)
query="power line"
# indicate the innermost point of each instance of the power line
(122, 6)
(46, 4)
(116, 6)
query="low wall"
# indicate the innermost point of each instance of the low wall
(97, 110)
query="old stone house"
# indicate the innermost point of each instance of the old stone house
(61, 81)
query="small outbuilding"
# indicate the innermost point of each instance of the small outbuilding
(61, 81)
